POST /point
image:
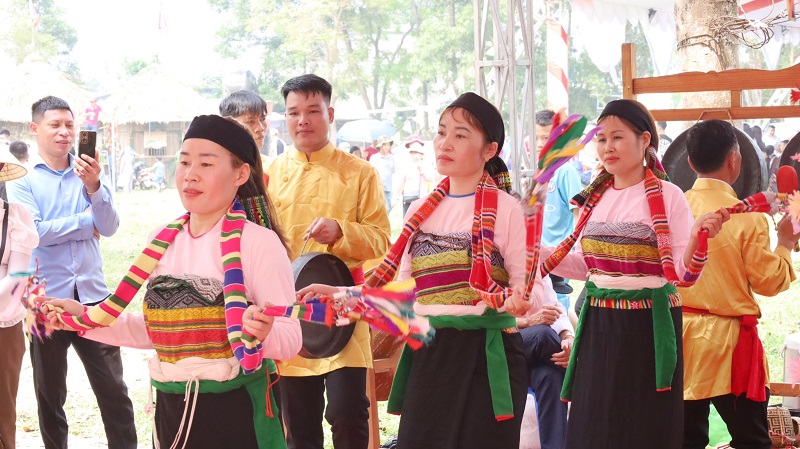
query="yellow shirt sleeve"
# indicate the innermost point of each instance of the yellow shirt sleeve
(366, 238)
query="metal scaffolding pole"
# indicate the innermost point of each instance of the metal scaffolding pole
(504, 39)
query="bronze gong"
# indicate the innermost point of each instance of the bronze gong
(752, 179)
(320, 341)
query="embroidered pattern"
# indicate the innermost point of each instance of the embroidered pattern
(441, 265)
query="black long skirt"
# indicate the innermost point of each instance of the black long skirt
(615, 404)
(448, 404)
(220, 420)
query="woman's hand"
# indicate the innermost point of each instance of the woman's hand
(712, 222)
(256, 323)
(55, 307)
(314, 290)
(516, 304)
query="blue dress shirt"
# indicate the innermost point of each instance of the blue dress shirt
(68, 254)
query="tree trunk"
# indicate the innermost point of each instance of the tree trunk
(701, 50)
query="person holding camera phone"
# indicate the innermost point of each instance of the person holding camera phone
(72, 207)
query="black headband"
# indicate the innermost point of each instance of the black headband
(225, 133)
(486, 113)
(630, 112)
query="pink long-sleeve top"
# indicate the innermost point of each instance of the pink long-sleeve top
(438, 252)
(268, 281)
(617, 248)
(21, 239)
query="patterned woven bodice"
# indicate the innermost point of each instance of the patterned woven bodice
(185, 317)
(621, 249)
(441, 264)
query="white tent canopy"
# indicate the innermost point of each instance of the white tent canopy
(598, 26)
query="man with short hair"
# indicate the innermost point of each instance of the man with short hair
(249, 109)
(71, 205)
(20, 150)
(724, 362)
(771, 138)
(331, 202)
(5, 137)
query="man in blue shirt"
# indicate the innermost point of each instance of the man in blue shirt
(71, 207)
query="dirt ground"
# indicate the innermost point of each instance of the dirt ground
(86, 426)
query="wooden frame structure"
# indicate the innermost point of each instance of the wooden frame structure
(733, 81)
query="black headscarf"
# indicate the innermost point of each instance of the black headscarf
(225, 133)
(492, 122)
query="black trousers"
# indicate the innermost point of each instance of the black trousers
(746, 421)
(303, 404)
(103, 365)
(539, 343)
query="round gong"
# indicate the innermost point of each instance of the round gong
(752, 179)
(792, 148)
(320, 341)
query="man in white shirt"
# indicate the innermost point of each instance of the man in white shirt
(771, 138)
(385, 164)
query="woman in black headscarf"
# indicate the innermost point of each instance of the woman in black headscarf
(464, 246)
(638, 242)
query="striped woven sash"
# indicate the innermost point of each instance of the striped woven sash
(244, 346)
(655, 201)
(483, 224)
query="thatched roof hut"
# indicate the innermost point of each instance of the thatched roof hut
(153, 109)
(31, 80)
(155, 95)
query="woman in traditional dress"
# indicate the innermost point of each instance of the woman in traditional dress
(18, 238)
(464, 245)
(638, 240)
(210, 369)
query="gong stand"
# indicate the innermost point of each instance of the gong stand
(733, 81)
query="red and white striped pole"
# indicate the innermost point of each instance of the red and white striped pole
(557, 69)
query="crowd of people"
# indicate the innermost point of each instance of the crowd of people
(655, 344)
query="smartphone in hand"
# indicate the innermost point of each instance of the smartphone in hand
(87, 140)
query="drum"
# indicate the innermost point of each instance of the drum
(320, 341)
(752, 179)
(792, 149)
